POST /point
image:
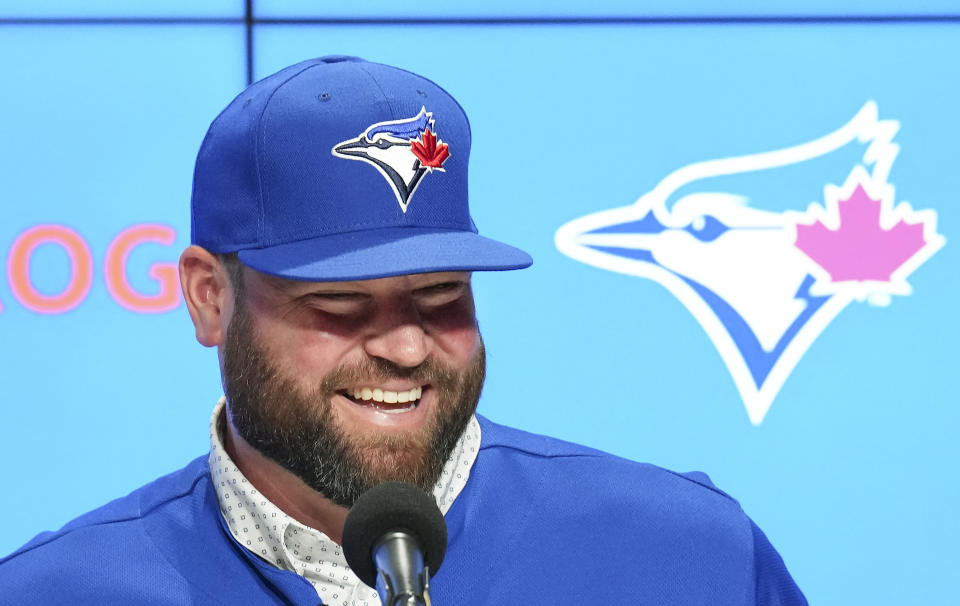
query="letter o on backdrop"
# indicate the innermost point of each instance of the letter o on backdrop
(81, 269)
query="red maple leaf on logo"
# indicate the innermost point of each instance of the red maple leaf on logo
(860, 249)
(431, 153)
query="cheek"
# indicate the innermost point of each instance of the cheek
(462, 345)
(305, 353)
(314, 355)
(459, 340)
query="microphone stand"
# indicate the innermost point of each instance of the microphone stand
(403, 578)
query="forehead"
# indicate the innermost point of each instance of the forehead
(256, 279)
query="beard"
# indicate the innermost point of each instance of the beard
(301, 432)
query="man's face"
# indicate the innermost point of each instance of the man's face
(349, 384)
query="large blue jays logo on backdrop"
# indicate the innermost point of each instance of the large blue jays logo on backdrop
(766, 249)
(403, 151)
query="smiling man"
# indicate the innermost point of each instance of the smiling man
(330, 267)
(335, 387)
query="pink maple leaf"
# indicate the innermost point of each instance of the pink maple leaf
(860, 249)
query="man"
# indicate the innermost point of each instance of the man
(331, 269)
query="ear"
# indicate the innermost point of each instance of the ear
(207, 293)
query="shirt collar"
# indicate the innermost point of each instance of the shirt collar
(266, 531)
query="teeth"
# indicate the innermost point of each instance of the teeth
(394, 411)
(389, 397)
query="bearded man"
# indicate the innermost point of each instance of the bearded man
(331, 263)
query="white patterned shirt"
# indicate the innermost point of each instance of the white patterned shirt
(266, 531)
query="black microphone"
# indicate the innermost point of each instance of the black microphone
(394, 539)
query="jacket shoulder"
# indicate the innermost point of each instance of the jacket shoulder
(583, 512)
(503, 439)
(122, 511)
(103, 543)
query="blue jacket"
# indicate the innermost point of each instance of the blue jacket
(540, 522)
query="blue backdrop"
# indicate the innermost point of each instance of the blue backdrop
(685, 329)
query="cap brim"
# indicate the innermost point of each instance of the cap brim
(381, 253)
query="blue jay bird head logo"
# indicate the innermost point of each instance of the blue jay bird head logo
(766, 249)
(403, 151)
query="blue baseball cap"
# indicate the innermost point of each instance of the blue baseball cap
(340, 169)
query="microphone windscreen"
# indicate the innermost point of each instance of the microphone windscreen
(387, 507)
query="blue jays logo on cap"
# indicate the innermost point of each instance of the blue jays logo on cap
(402, 150)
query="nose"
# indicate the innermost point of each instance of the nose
(399, 337)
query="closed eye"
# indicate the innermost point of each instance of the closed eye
(442, 292)
(339, 303)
